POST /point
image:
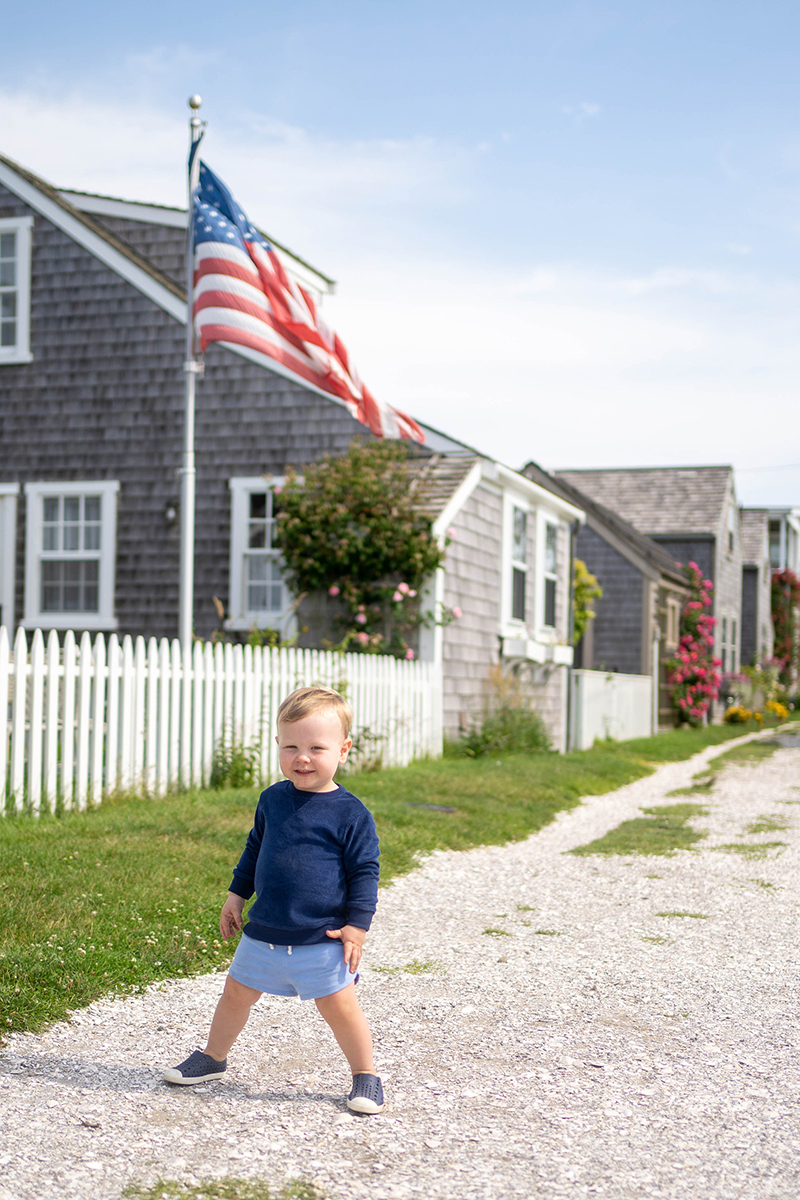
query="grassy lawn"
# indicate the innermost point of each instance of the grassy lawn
(112, 900)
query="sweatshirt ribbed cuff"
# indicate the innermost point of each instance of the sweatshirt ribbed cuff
(360, 917)
(239, 888)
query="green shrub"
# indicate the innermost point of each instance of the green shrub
(508, 729)
(234, 766)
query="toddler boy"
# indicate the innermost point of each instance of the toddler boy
(312, 860)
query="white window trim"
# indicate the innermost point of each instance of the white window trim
(21, 353)
(544, 517)
(8, 549)
(240, 619)
(35, 493)
(512, 627)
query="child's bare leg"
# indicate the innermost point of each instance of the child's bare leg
(343, 1013)
(230, 1018)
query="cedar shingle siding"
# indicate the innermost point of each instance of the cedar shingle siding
(617, 632)
(103, 399)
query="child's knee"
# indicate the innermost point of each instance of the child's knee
(344, 1001)
(239, 993)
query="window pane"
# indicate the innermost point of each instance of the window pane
(72, 537)
(550, 602)
(519, 548)
(72, 508)
(257, 536)
(8, 274)
(550, 549)
(50, 538)
(51, 508)
(8, 305)
(264, 585)
(257, 570)
(8, 245)
(258, 506)
(91, 537)
(8, 333)
(518, 594)
(70, 587)
(91, 508)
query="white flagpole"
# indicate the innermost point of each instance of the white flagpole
(192, 368)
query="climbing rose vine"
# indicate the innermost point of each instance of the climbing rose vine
(693, 672)
(785, 603)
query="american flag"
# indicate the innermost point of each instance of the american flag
(243, 295)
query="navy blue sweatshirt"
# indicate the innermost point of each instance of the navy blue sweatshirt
(312, 860)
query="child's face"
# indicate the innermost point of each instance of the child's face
(310, 750)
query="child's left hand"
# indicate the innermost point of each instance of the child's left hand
(353, 940)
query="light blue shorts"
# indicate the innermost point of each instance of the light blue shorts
(305, 971)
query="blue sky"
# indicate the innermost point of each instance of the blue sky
(568, 232)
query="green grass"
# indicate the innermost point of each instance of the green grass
(664, 830)
(221, 1189)
(115, 899)
(493, 931)
(681, 913)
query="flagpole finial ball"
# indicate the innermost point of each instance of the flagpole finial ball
(194, 102)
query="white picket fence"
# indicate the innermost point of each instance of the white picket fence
(85, 719)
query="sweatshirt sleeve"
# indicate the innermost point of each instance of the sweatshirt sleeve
(361, 853)
(244, 874)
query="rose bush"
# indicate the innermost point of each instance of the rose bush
(693, 671)
(352, 526)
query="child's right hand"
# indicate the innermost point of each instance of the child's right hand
(230, 919)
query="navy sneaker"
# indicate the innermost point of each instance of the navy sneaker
(197, 1068)
(366, 1095)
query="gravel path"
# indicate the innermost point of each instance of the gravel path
(597, 1049)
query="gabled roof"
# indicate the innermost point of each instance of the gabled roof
(436, 481)
(641, 546)
(659, 500)
(47, 200)
(755, 535)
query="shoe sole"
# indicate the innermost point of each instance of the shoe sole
(174, 1076)
(368, 1107)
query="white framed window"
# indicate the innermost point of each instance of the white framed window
(673, 623)
(258, 593)
(519, 562)
(70, 551)
(15, 289)
(550, 575)
(8, 553)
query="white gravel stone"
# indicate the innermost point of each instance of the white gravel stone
(620, 1054)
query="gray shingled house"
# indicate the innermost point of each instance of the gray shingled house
(757, 632)
(693, 514)
(644, 591)
(91, 417)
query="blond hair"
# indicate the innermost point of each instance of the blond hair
(308, 700)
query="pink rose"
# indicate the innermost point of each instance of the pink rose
(333, 590)
(411, 593)
(398, 596)
(362, 638)
(361, 618)
(409, 653)
(403, 588)
(451, 532)
(457, 613)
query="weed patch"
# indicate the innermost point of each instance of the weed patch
(493, 932)
(752, 849)
(657, 941)
(548, 932)
(221, 1189)
(767, 825)
(664, 830)
(680, 913)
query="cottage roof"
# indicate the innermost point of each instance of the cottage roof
(598, 514)
(94, 227)
(755, 535)
(659, 500)
(437, 479)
